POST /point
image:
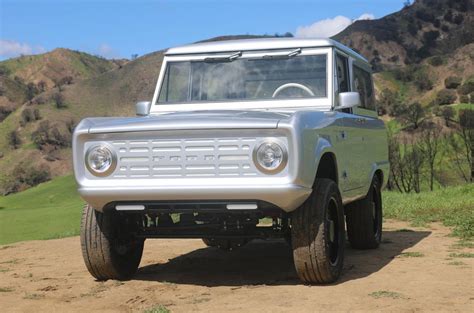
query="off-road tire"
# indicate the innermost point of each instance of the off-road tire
(364, 219)
(225, 244)
(106, 255)
(317, 258)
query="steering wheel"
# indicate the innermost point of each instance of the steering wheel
(292, 85)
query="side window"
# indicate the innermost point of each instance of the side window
(342, 72)
(363, 85)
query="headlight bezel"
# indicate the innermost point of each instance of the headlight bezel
(284, 159)
(113, 161)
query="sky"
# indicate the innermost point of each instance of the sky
(120, 28)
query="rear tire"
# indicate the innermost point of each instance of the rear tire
(106, 255)
(317, 235)
(225, 244)
(364, 219)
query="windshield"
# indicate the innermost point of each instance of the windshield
(227, 79)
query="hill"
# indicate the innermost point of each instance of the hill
(421, 30)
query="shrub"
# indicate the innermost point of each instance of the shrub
(58, 99)
(430, 37)
(27, 116)
(26, 175)
(452, 82)
(37, 114)
(458, 19)
(463, 99)
(14, 139)
(471, 97)
(38, 100)
(436, 61)
(446, 96)
(47, 135)
(467, 87)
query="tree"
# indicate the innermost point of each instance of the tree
(447, 113)
(413, 114)
(405, 164)
(58, 99)
(446, 96)
(31, 91)
(466, 133)
(14, 139)
(429, 148)
(452, 82)
(42, 86)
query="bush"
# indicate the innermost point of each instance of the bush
(471, 97)
(436, 61)
(27, 116)
(452, 82)
(37, 114)
(430, 37)
(47, 135)
(26, 175)
(38, 100)
(463, 99)
(458, 19)
(14, 139)
(446, 96)
(58, 99)
(467, 87)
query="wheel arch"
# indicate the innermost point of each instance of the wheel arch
(327, 167)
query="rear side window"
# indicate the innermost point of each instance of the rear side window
(363, 85)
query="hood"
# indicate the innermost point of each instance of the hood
(228, 119)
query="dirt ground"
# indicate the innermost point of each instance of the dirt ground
(413, 270)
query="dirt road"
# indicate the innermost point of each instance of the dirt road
(414, 269)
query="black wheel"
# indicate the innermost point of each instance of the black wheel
(109, 253)
(225, 244)
(317, 235)
(364, 219)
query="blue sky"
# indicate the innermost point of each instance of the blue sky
(116, 29)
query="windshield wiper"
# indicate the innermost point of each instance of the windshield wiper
(290, 54)
(227, 58)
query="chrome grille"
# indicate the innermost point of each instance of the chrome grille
(177, 158)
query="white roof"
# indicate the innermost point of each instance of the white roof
(260, 44)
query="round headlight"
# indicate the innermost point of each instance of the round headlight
(270, 157)
(101, 160)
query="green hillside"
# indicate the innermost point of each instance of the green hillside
(49, 210)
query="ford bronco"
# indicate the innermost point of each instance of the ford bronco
(243, 139)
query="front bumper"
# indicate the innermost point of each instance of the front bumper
(287, 196)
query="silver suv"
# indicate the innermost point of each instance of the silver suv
(239, 133)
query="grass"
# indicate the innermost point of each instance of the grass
(33, 296)
(456, 263)
(157, 309)
(462, 255)
(411, 255)
(453, 206)
(49, 210)
(6, 289)
(386, 294)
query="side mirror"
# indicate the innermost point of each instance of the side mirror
(142, 108)
(348, 100)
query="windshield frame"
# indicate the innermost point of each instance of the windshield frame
(323, 103)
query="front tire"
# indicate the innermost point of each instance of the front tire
(317, 233)
(364, 219)
(106, 254)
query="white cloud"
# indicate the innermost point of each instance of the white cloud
(329, 27)
(10, 49)
(106, 51)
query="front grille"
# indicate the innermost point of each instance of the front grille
(192, 158)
